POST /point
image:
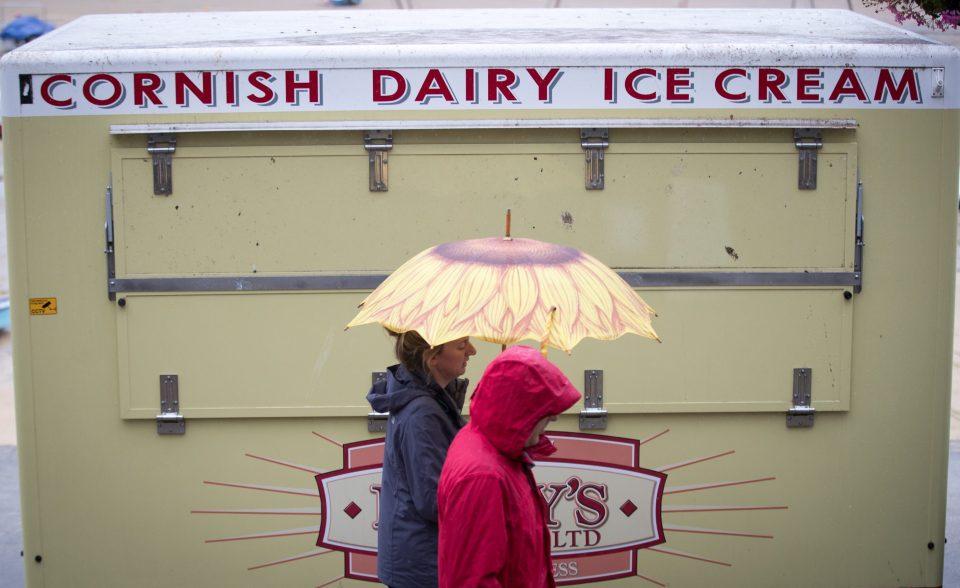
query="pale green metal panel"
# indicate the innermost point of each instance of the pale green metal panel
(285, 354)
(241, 210)
(248, 355)
(857, 500)
(106, 498)
(705, 203)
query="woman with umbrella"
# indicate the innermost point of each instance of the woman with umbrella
(501, 290)
(423, 394)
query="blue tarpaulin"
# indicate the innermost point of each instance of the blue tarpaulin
(25, 28)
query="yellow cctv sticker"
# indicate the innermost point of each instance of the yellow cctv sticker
(43, 306)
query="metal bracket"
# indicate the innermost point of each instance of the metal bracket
(937, 91)
(170, 421)
(161, 146)
(808, 142)
(377, 421)
(593, 416)
(594, 142)
(378, 144)
(108, 248)
(801, 414)
(858, 241)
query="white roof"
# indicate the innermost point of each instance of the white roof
(508, 37)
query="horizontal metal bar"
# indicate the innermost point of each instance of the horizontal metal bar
(542, 123)
(247, 283)
(690, 279)
(742, 279)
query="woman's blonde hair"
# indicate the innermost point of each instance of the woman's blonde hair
(412, 351)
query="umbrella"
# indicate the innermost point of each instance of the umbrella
(506, 290)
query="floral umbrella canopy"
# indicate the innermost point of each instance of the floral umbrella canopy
(506, 290)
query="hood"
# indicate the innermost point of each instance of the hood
(400, 387)
(517, 389)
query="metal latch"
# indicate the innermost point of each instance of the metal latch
(378, 144)
(808, 142)
(170, 421)
(593, 416)
(377, 421)
(161, 147)
(108, 248)
(858, 241)
(801, 414)
(594, 142)
(937, 91)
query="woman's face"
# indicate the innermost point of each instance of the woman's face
(451, 362)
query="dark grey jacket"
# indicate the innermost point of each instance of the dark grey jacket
(423, 421)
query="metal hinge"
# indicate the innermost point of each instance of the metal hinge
(593, 416)
(594, 142)
(801, 414)
(108, 248)
(170, 421)
(161, 147)
(377, 421)
(808, 142)
(378, 144)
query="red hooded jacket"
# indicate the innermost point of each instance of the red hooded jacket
(492, 518)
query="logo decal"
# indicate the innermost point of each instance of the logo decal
(601, 503)
(606, 513)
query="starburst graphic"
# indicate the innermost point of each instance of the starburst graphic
(603, 469)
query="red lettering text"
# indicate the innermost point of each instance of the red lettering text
(678, 79)
(592, 506)
(585, 538)
(809, 78)
(546, 83)
(231, 81)
(183, 84)
(434, 85)
(556, 493)
(46, 91)
(312, 86)
(380, 79)
(724, 78)
(98, 81)
(145, 87)
(500, 83)
(848, 85)
(375, 490)
(771, 82)
(887, 89)
(471, 79)
(633, 78)
(267, 95)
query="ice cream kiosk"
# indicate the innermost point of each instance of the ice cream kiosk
(197, 203)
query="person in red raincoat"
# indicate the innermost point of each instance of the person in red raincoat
(493, 520)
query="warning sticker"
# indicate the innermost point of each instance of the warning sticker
(43, 306)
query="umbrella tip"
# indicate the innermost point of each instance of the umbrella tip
(507, 233)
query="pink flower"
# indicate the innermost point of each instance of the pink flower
(951, 18)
